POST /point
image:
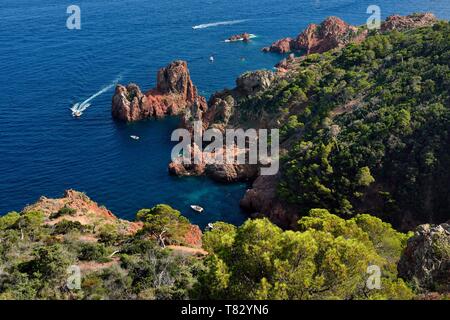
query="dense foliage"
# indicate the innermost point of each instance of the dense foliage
(327, 259)
(369, 127)
(36, 257)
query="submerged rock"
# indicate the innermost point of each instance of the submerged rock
(174, 93)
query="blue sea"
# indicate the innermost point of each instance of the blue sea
(45, 68)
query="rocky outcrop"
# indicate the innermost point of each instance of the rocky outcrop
(222, 113)
(85, 211)
(231, 172)
(426, 259)
(401, 23)
(193, 238)
(331, 33)
(262, 200)
(174, 93)
(285, 64)
(335, 33)
(250, 83)
(239, 37)
(81, 209)
(221, 172)
(284, 45)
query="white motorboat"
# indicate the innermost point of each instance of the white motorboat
(135, 137)
(197, 208)
(76, 114)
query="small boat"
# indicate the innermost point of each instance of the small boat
(76, 114)
(197, 208)
(211, 58)
(134, 137)
(210, 226)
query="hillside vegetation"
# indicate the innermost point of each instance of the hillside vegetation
(368, 127)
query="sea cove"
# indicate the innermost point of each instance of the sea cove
(48, 68)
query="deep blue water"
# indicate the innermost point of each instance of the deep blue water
(45, 68)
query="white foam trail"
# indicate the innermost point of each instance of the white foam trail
(215, 24)
(79, 108)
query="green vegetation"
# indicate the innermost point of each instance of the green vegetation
(35, 257)
(326, 259)
(167, 225)
(370, 127)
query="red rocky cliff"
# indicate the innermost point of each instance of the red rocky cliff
(335, 33)
(330, 34)
(174, 93)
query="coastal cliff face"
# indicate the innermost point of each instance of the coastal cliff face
(174, 93)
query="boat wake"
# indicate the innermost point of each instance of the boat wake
(78, 108)
(216, 24)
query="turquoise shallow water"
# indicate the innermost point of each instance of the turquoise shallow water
(45, 68)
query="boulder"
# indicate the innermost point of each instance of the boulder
(251, 83)
(426, 260)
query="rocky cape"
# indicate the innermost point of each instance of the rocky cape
(89, 214)
(174, 92)
(333, 33)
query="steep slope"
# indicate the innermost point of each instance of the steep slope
(366, 128)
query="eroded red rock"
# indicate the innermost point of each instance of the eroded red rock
(397, 22)
(174, 93)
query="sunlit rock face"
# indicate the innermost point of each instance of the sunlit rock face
(174, 93)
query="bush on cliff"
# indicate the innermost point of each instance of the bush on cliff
(165, 224)
(327, 259)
